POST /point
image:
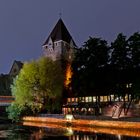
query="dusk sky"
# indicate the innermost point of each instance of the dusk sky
(25, 24)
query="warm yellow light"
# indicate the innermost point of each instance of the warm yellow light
(69, 117)
(68, 75)
(96, 126)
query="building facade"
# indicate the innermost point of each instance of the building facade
(7, 79)
(61, 46)
(15, 69)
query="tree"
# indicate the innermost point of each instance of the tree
(15, 111)
(5, 81)
(120, 63)
(89, 62)
(120, 51)
(134, 46)
(39, 85)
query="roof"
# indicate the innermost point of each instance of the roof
(18, 63)
(60, 32)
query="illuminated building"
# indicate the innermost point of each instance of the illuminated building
(5, 85)
(7, 79)
(60, 46)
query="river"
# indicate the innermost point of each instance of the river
(38, 131)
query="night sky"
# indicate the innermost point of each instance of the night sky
(25, 24)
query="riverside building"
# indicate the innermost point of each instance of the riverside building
(60, 46)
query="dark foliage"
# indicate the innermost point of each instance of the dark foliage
(100, 69)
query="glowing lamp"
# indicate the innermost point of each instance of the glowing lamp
(69, 117)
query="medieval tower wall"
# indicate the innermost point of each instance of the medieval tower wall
(60, 46)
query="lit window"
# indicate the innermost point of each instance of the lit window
(86, 99)
(89, 109)
(83, 99)
(90, 99)
(94, 98)
(83, 109)
(112, 97)
(126, 97)
(129, 85)
(101, 98)
(129, 97)
(121, 98)
(116, 98)
(76, 100)
(105, 98)
(72, 99)
(80, 99)
(68, 100)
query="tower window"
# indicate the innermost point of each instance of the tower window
(50, 49)
(59, 43)
(56, 44)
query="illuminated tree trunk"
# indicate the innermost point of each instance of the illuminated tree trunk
(68, 75)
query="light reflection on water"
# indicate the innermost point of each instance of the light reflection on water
(41, 131)
(126, 132)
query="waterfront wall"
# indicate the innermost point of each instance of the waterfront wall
(83, 122)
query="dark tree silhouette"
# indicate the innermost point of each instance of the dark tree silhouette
(88, 66)
(99, 69)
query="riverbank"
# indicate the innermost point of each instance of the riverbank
(100, 121)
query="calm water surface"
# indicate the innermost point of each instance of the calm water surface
(34, 131)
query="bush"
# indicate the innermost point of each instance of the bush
(16, 111)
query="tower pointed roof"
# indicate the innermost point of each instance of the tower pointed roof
(60, 32)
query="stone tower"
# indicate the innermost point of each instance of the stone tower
(59, 44)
